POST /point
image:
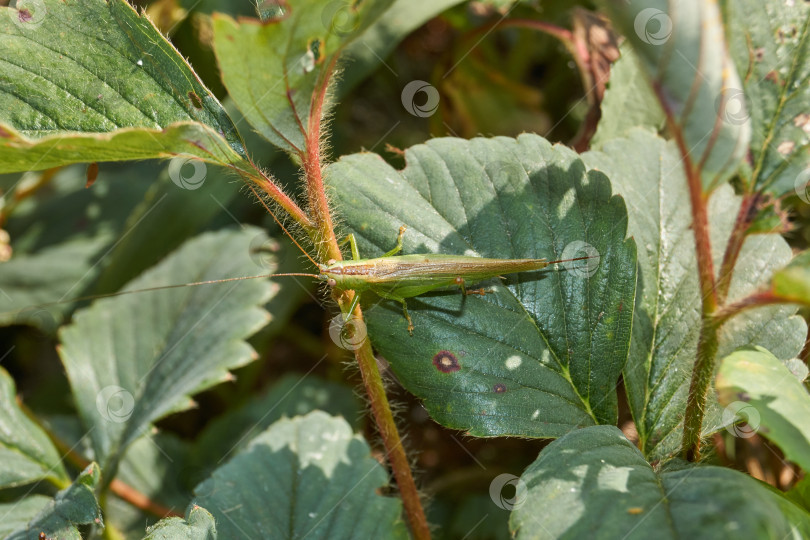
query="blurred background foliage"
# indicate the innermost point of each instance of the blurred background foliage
(491, 81)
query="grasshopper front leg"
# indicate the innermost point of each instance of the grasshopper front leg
(398, 247)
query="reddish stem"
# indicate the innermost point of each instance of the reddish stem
(759, 299)
(707, 342)
(387, 428)
(735, 243)
(319, 205)
(325, 239)
(141, 501)
(124, 491)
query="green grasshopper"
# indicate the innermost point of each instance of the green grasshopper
(392, 276)
(405, 276)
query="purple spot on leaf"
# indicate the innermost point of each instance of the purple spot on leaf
(446, 362)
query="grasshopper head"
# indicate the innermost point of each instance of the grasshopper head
(324, 275)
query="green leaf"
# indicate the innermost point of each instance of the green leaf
(17, 514)
(770, 42)
(646, 171)
(71, 242)
(800, 493)
(305, 477)
(136, 358)
(759, 388)
(91, 80)
(198, 525)
(629, 101)
(683, 52)
(792, 283)
(76, 505)
(59, 236)
(26, 453)
(274, 84)
(154, 465)
(542, 354)
(167, 216)
(594, 479)
(292, 395)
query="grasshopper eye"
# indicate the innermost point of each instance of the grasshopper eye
(331, 282)
(330, 262)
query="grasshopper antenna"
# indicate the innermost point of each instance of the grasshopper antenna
(574, 259)
(273, 215)
(150, 289)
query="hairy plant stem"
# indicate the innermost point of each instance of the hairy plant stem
(326, 241)
(707, 343)
(735, 243)
(387, 428)
(699, 389)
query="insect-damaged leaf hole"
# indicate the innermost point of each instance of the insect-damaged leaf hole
(446, 362)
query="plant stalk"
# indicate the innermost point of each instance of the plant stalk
(735, 243)
(387, 428)
(326, 241)
(703, 368)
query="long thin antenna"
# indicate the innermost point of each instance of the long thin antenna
(266, 207)
(160, 288)
(576, 259)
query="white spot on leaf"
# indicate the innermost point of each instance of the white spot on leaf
(513, 362)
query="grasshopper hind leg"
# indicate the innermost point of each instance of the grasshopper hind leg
(462, 285)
